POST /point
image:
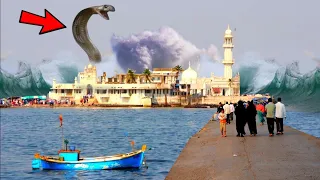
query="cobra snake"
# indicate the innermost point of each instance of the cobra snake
(80, 31)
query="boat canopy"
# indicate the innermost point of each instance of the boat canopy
(34, 97)
(14, 97)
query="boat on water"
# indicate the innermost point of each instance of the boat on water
(69, 159)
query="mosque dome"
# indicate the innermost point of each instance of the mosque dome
(189, 75)
(89, 66)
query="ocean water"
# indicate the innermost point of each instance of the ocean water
(308, 122)
(99, 132)
(96, 132)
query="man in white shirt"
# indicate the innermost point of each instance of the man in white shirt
(231, 111)
(226, 109)
(280, 115)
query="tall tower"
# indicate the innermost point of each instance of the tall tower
(228, 60)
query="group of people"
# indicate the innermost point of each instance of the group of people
(247, 115)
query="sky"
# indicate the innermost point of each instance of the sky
(283, 30)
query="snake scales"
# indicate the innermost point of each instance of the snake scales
(80, 31)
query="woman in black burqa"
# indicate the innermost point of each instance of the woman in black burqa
(240, 113)
(251, 117)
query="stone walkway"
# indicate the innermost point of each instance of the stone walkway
(207, 155)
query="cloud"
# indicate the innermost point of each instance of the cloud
(162, 48)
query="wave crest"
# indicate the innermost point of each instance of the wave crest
(28, 81)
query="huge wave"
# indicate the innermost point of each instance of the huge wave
(166, 48)
(28, 81)
(298, 90)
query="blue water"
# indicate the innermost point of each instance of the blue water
(305, 122)
(99, 132)
(96, 132)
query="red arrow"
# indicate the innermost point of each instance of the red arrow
(49, 23)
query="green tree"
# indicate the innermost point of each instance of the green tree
(147, 74)
(178, 69)
(131, 76)
(230, 82)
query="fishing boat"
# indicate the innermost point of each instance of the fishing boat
(69, 159)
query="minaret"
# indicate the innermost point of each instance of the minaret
(228, 60)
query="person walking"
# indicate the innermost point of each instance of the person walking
(226, 109)
(260, 110)
(251, 116)
(223, 123)
(280, 115)
(240, 112)
(270, 109)
(231, 111)
(220, 107)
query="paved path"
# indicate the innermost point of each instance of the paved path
(207, 155)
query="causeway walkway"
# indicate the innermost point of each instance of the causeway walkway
(207, 155)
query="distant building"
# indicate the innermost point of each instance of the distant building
(163, 88)
(214, 85)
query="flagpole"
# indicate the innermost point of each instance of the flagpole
(62, 137)
(61, 119)
(130, 140)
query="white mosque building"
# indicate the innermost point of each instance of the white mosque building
(163, 88)
(214, 85)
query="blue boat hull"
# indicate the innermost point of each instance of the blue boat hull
(134, 161)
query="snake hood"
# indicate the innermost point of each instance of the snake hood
(103, 10)
(80, 31)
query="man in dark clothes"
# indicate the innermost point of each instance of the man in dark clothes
(220, 107)
(251, 116)
(240, 113)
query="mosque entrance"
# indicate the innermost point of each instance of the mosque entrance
(223, 92)
(89, 89)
